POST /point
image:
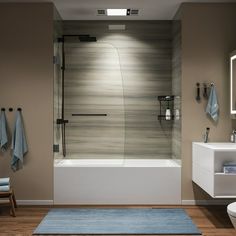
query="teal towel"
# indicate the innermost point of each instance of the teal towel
(212, 105)
(4, 181)
(19, 144)
(3, 131)
(4, 188)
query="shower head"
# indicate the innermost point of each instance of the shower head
(87, 38)
(81, 37)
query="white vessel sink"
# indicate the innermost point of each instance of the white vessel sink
(207, 168)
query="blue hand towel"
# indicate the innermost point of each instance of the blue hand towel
(212, 105)
(5, 188)
(19, 144)
(4, 181)
(3, 131)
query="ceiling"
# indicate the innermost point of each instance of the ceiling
(148, 9)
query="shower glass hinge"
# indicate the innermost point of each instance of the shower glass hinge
(55, 147)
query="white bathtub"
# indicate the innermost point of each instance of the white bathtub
(129, 181)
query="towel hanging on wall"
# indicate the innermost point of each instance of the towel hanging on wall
(19, 144)
(212, 108)
(3, 131)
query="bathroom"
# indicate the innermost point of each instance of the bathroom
(118, 132)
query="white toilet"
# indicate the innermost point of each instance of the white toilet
(231, 209)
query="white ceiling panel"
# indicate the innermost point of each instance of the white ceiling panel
(148, 9)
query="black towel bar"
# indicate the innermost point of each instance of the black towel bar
(89, 114)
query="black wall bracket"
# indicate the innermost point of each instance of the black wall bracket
(62, 121)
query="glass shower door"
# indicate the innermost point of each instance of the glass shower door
(93, 102)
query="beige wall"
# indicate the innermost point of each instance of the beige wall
(208, 36)
(26, 49)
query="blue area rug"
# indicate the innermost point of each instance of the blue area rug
(117, 221)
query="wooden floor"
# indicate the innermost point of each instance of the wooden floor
(212, 220)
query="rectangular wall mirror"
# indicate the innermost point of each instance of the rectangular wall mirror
(233, 83)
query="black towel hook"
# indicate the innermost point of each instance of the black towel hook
(205, 88)
(3, 109)
(198, 98)
(19, 109)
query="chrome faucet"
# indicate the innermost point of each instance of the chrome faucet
(206, 135)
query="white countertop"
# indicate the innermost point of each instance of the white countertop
(218, 146)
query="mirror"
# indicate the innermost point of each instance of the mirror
(233, 83)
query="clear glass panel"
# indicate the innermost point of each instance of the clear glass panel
(94, 102)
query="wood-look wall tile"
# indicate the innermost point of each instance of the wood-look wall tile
(95, 84)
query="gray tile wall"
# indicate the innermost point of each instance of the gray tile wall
(94, 84)
(57, 81)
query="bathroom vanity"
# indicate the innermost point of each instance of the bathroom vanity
(207, 168)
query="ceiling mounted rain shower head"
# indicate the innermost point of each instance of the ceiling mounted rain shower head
(87, 38)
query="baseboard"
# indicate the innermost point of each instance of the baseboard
(32, 202)
(208, 202)
(35, 202)
(184, 202)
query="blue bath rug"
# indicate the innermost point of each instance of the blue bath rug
(117, 221)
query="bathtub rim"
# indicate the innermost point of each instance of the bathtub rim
(148, 163)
